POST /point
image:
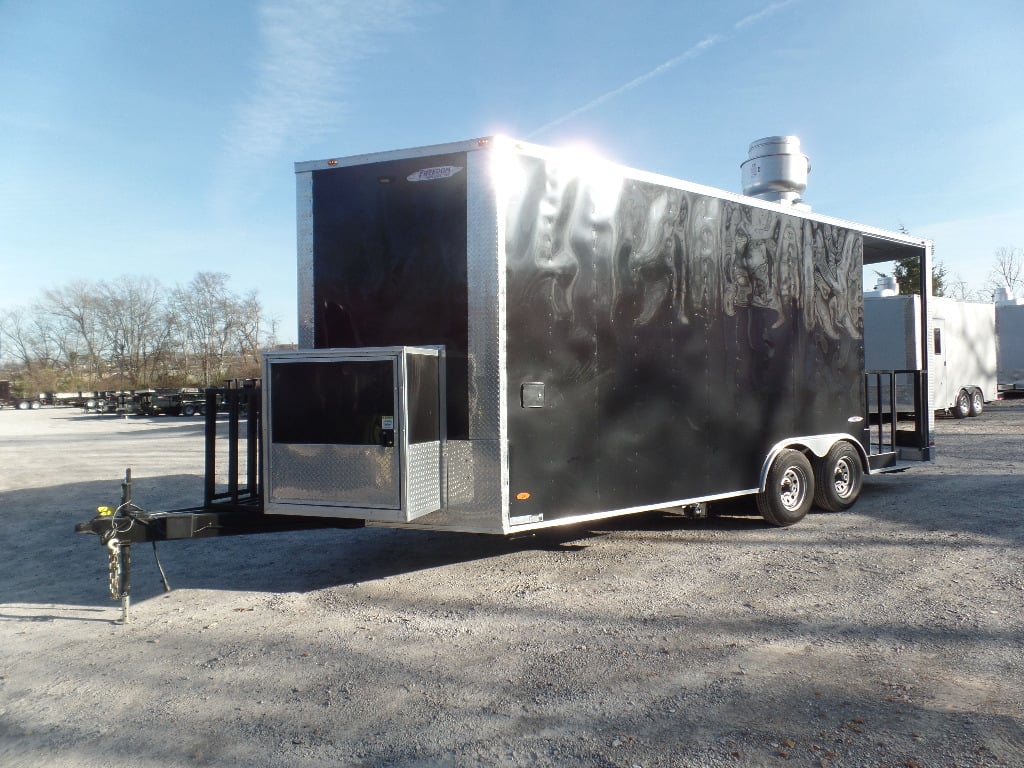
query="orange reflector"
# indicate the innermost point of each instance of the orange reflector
(523, 496)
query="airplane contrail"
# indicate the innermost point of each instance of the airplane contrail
(704, 45)
(695, 51)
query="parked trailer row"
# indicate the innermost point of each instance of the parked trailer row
(187, 401)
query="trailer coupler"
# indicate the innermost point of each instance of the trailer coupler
(129, 524)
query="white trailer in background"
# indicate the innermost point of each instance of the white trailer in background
(1010, 344)
(961, 348)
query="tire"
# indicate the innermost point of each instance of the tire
(789, 489)
(189, 410)
(977, 403)
(35, 405)
(838, 478)
(962, 407)
(23, 405)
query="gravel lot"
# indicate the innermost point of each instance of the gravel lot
(891, 635)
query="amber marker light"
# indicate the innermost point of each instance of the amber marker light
(522, 496)
(332, 162)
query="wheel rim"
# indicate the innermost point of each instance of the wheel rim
(976, 400)
(792, 489)
(843, 478)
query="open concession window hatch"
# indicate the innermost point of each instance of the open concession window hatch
(354, 432)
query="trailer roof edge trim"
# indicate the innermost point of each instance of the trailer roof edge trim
(880, 245)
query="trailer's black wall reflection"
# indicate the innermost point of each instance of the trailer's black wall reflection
(679, 336)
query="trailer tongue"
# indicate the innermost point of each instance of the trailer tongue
(497, 337)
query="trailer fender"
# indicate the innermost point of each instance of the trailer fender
(817, 446)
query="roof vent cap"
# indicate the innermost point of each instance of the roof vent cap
(776, 170)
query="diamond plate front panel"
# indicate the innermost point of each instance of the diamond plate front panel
(340, 475)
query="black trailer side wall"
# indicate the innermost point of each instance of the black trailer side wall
(677, 338)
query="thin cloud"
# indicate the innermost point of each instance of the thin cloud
(309, 51)
(763, 14)
(703, 46)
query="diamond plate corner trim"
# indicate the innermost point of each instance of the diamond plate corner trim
(474, 488)
(304, 229)
(424, 479)
(487, 311)
(484, 286)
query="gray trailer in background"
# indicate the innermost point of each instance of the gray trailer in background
(960, 338)
(1010, 345)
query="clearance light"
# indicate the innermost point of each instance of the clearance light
(522, 496)
(332, 162)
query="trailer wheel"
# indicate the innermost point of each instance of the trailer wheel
(789, 490)
(977, 403)
(189, 410)
(838, 478)
(23, 405)
(962, 406)
(35, 405)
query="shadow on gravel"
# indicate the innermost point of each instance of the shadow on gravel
(987, 505)
(44, 562)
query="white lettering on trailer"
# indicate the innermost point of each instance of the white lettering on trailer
(432, 174)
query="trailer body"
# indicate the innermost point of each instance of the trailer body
(958, 337)
(1010, 345)
(497, 337)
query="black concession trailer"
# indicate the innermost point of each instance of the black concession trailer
(498, 337)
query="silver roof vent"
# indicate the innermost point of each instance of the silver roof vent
(776, 170)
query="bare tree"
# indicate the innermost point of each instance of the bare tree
(1007, 271)
(136, 326)
(251, 334)
(77, 309)
(209, 318)
(958, 288)
(27, 338)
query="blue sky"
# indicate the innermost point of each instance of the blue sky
(158, 138)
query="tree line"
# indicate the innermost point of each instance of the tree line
(1006, 272)
(133, 332)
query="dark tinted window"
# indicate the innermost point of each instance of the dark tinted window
(331, 402)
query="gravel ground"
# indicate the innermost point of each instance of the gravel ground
(890, 635)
